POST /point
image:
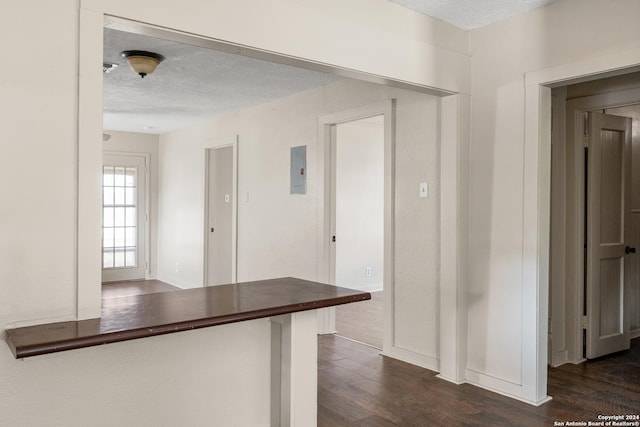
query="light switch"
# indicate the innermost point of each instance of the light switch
(424, 189)
(227, 198)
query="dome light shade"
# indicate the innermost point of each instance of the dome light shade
(142, 62)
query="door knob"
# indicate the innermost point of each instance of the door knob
(629, 250)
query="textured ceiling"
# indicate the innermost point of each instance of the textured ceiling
(192, 84)
(472, 14)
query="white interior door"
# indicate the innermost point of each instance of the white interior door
(609, 242)
(221, 216)
(123, 218)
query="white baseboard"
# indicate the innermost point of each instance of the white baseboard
(635, 334)
(412, 357)
(452, 381)
(559, 358)
(179, 283)
(502, 387)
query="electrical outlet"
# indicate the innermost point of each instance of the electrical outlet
(368, 272)
(177, 267)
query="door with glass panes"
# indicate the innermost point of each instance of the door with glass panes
(123, 218)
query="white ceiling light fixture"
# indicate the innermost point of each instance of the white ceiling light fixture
(142, 62)
(211, 83)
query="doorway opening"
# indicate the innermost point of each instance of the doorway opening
(87, 294)
(221, 212)
(358, 220)
(594, 269)
(359, 204)
(124, 217)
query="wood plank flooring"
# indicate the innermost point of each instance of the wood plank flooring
(127, 288)
(362, 321)
(358, 387)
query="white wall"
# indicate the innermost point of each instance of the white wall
(417, 230)
(139, 143)
(278, 232)
(40, 105)
(503, 347)
(165, 381)
(360, 204)
(38, 162)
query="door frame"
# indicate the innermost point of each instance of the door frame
(572, 320)
(454, 133)
(333, 259)
(536, 202)
(326, 160)
(231, 141)
(147, 204)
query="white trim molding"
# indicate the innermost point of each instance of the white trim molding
(454, 212)
(536, 204)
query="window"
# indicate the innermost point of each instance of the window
(119, 225)
(123, 217)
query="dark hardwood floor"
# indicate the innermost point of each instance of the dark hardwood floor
(134, 287)
(358, 387)
(362, 321)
